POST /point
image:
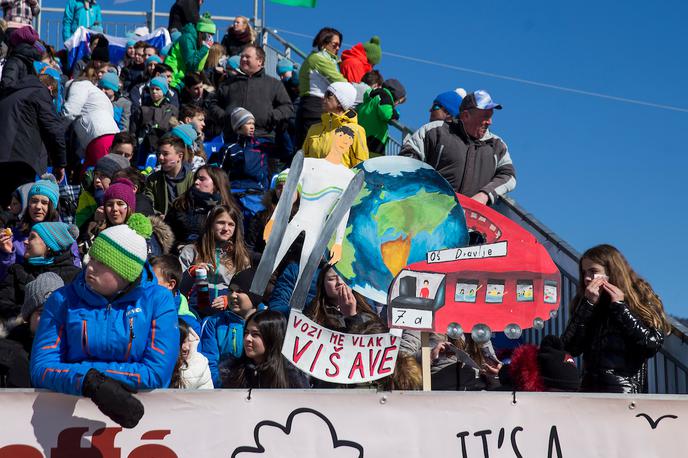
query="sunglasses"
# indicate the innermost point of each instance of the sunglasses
(335, 45)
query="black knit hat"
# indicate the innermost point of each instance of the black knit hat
(241, 282)
(101, 52)
(396, 88)
(557, 368)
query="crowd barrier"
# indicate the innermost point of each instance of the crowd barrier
(347, 424)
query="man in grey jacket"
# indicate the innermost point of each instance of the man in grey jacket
(471, 158)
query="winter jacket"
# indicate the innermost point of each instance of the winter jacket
(184, 12)
(319, 138)
(318, 71)
(222, 338)
(132, 338)
(186, 56)
(188, 224)
(355, 64)
(374, 114)
(150, 122)
(262, 95)
(18, 275)
(132, 75)
(19, 13)
(234, 43)
(615, 345)
(19, 248)
(157, 192)
(162, 239)
(469, 165)
(246, 163)
(31, 126)
(90, 110)
(121, 108)
(77, 14)
(195, 374)
(218, 280)
(284, 287)
(14, 365)
(254, 377)
(19, 63)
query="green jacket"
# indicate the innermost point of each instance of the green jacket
(186, 56)
(374, 114)
(156, 189)
(318, 71)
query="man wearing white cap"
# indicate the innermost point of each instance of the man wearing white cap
(338, 104)
(471, 158)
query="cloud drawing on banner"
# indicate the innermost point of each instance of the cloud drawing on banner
(306, 433)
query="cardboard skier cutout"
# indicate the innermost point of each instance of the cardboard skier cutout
(327, 189)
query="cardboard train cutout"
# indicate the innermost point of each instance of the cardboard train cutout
(404, 210)
(506, 283)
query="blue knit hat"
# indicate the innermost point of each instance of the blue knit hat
(131, 43)
(160, 82)
(450, 101)
(284, 66)
(57, 236)
(233, 62)
(46, 186)
(109, 81)
(186, 132)
(154, 58)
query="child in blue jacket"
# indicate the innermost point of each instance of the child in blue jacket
(112, 330)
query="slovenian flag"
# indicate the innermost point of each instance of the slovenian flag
(77, 45)
(302, 3)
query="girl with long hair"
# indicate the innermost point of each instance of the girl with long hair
(261, 364)
(617, 323)
(336, 306)
(240, 34)
(221, 251)
(191, 370)
(188, 213)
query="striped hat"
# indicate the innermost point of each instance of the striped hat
(240, 116)
(46, 186)
(123, 248)
(57, 236)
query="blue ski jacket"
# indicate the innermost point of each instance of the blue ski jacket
(222, 337)
(133, 339)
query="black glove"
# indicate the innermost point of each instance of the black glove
(113, 398)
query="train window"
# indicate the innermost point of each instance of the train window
(494, 293)
(466, 290)
(550, 292)
(524, 291)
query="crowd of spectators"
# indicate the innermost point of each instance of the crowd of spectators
(130, 264)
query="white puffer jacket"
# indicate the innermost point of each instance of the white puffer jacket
(90, 110)
(196, 374)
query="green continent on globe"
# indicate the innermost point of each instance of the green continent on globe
(422, 212)
(345, 265)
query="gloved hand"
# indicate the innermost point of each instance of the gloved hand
(113, 398)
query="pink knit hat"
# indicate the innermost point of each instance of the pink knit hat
(122, 189)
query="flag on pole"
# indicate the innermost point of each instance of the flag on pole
(301, 3)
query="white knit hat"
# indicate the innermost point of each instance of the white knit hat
(345, 94)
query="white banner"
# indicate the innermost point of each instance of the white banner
(347, 424)
(338, 357)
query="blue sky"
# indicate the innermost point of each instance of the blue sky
(594, 170)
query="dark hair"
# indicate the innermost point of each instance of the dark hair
(346, 130)
(132, 174)
(170, 267)
(272, 372)
(162, 68)
(372, 78)
(325, 36)
(318, 309)
(95, 37)
(189, 110)
(140, 45)
(148, 45)
(49, 82)
(194, 78)
(220, 182)
(259, 51)
(123, 138)
(239, 258)
(176, 380)
(175, 142)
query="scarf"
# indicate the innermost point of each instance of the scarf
(241, 37)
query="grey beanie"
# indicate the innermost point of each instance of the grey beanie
(239, 117)
(38, 291)
(22, 194)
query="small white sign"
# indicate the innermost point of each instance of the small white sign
(411, 318)
(490, 250)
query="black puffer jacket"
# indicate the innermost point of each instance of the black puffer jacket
(615, 345)
(262, 95)
(19, 64)
(188, 224)
(18, 275)
(183, 12)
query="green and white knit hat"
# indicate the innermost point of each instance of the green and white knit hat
(123, 247)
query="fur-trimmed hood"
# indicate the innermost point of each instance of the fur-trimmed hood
(163, 233)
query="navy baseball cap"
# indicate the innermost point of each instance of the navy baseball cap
(480, 99)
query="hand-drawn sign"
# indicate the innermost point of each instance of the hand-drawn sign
(506, 283)
(337, 357)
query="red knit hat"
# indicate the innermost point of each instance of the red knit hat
(122, 189)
